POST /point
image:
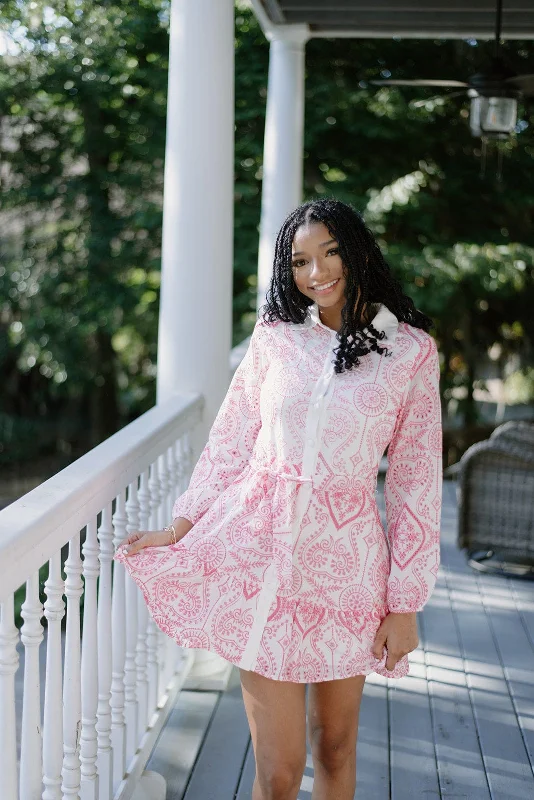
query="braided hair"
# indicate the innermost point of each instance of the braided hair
(364, 267)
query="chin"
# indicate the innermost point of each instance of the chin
(331, 300)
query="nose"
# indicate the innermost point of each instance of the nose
(318, 271)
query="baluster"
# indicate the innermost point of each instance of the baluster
(189, 452)
(89, 670)
(118, 648)
(142, 619)
(54, 609)
(152, 630)
(165, 488)
(156, 499)
(176, 473)
(72, 711)
(173, 653)
(30, 775)
(9, 661)
(103, 726)
(130, 668)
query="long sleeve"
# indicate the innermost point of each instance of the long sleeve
(232, 435)
(413, 489)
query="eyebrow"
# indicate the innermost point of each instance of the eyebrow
(300, 252)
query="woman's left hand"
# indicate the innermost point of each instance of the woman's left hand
(398, 632)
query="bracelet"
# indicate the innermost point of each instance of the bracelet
(172, 531)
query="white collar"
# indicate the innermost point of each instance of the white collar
(384, 320)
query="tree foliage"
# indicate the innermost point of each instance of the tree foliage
(82, 137)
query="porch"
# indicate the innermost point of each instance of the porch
(460, 726)
(97, 706)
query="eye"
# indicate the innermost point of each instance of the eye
(333, 250)
(298, 263)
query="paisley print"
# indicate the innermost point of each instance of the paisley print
(287, 569)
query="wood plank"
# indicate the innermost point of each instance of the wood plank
(412, 751)
(515, 650)
(460, 765)
(505, 758)
(217, 771)
(372, 752)
(244, 791)
(181, 739)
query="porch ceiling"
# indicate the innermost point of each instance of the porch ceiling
(451, 19)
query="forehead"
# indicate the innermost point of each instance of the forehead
(310, 234)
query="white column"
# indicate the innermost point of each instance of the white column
(283, 142)
(195, 323)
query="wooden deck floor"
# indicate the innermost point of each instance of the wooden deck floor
(460, 727)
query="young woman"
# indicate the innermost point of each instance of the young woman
(277, 559)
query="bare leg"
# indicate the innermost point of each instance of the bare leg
(333, 714)
(276, 713)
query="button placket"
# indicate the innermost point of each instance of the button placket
(315, 413)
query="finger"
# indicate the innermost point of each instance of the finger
(391, 660)
(378, 645)
(136, 546)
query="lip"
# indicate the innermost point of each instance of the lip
(325, 291)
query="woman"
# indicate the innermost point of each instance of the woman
(281, 564)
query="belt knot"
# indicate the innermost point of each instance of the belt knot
(286, 475)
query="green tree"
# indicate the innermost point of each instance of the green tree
(82, 136)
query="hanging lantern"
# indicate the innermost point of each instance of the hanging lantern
(493, 116)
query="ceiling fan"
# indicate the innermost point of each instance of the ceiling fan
(494, 93)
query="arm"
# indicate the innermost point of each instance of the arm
(413, 489)
(232, 435)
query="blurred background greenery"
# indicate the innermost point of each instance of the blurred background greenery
(82, 139)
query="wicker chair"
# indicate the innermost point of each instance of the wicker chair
(495, 494)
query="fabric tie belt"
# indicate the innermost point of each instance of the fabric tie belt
(287, 476)
(271, 578)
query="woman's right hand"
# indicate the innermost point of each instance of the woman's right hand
(138, 540)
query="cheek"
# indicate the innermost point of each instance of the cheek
(300, 281)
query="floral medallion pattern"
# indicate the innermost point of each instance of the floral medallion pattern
(287, 569)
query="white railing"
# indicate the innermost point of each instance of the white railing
(108, 692)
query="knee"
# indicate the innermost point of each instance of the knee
(281, 781)
(332, 750)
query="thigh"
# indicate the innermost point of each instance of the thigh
(333, 712)
(276, 713)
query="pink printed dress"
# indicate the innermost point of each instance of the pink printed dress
(288, 570)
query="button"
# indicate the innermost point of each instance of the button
(317, 403)
(311, 442)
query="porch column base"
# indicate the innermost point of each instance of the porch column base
(209, 672)
(150, 786)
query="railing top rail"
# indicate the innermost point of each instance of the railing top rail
(34, 527)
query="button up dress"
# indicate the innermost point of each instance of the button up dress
(288, 570)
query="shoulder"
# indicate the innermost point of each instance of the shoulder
(263, 333)
(271, 331)
(422, 346)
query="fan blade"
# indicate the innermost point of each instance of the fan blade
(419, 103)
(525, 83)
(418, 82)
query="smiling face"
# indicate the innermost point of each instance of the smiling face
(318, 270)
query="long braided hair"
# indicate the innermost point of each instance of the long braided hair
(364, 266)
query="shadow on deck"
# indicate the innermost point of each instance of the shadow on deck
(460, 726)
